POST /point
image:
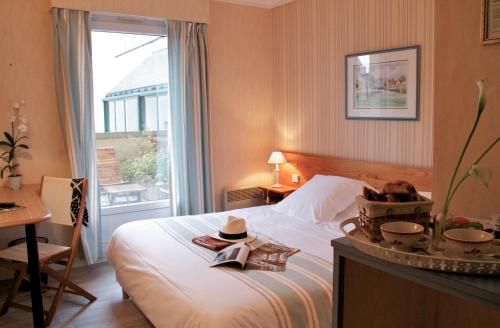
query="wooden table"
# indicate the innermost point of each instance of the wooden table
(34, 212)
(123, 188)
(370, 292)
(276, 194)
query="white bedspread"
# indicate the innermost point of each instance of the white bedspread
(170, 281)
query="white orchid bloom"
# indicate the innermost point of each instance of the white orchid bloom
(22, 127)
(23, 120)
(482, 174)
(484, 89)
(16, 105)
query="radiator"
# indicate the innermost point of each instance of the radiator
(243, 197)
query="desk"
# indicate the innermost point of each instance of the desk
(370, 292)
(34, 212)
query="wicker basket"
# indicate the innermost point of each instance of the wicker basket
(373, 214)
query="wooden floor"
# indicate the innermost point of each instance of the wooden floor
(110, 310)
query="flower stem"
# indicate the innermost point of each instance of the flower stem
(457, 167)
(467, 173)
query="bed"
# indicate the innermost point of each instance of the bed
(169, 279)
(158, 265)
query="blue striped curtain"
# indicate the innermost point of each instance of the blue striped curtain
(191, 183)
(73, 72)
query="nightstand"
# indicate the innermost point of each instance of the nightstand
(276, 194)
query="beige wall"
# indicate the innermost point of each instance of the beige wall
(241, 86)
(26, 72)
(311, 38)
(241, 95)
(187, 10)
(460, 60)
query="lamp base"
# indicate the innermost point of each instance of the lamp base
(277, 183)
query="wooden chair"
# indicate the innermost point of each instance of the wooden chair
(111, 178)
(66, 209)
(109, 167)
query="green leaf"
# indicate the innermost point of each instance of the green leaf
(23, 146)
(4, 143)
(9, 138)
(1, 172)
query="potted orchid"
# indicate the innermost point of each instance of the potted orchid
(483, 174)
(10, 146)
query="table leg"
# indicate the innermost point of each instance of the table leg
(34, 273)
(338, 291)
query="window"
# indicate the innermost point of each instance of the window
(112, 117)
(151, 113)
(131, 110)
(132, 114)
(120, 115)
(163, 102)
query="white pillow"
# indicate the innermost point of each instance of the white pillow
(320, 199)
(350, 212)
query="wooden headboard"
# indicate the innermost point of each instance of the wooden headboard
(376, 174)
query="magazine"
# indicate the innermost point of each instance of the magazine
(267, 257)
(235, 254)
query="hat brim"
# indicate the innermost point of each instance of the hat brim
(250, 237)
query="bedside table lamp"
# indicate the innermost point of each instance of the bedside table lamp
(277, 158)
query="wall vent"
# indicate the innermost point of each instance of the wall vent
(243, 197)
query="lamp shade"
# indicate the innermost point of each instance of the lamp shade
(277, 157)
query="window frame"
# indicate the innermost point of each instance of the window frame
(118, 23)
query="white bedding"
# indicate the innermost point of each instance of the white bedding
(174, 287)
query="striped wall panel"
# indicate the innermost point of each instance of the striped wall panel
(311, 38)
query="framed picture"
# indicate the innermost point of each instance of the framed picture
(382, 85)
(490, 21)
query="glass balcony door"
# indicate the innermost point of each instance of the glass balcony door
(131, 109)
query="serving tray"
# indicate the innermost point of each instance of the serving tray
(422, 258)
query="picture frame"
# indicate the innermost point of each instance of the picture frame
(383, 85)
(490, 21)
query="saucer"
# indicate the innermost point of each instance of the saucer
(420, 246)
(492, 253)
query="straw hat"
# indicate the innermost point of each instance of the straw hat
(234, 230)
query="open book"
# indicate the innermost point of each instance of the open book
(267, 257)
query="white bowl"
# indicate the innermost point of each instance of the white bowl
(467, 242)
(401, 233)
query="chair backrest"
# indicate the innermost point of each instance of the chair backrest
(108, 166)
(61, 200)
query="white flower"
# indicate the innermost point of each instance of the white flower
(484, 89)
(16, 105)
(22, 127)
(23, 120)
(483, 174)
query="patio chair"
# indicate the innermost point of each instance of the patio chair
(111, 179)
(65, 199)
